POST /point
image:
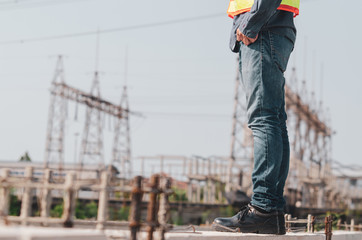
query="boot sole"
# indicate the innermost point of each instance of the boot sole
(221, 228)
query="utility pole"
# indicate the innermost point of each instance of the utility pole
(54, 147)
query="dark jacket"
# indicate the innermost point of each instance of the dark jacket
(263, 16)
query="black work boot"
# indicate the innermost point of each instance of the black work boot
(250, 220)
(281, 220)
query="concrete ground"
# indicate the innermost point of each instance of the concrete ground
(211, 235)
(41, 233)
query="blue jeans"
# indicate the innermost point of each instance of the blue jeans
(262, 66)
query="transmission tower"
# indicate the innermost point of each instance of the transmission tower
(54, 147)
(241, 137)
(92, 143)
(121, 154)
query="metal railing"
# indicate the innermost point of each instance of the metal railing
(158, 191)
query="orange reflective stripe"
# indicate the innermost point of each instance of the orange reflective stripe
(232, 14)
(229, 7)
(289, 9)
(237, 7)
(229, 11)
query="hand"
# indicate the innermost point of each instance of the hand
(246, 40)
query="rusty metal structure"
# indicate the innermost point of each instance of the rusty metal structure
(135, 214)
(92, 142)
(328, 227)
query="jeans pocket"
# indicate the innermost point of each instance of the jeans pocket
(281, 48)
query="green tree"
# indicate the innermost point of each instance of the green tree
(15, 206)
(57, 211)
(86, 211)
(91, 210)
(25, 158)
(179, 195)
(123, 213)
(79, 210)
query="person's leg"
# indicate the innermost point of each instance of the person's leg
(262, 67)
(284, 167)
(281, 50)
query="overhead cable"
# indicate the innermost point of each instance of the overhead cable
(110, 30)
(16, 5)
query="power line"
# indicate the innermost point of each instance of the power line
(353, 167)
(110, 30)
(192, 115)
(16, 5)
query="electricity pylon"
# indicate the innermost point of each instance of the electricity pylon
(121, 154)
(54, 147)
(92, 141)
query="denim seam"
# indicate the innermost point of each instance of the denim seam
(274, 58)
(272, 49)
(274, 54)
(260, 45)
(261, 105)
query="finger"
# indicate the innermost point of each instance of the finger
(247, 41)
(238, 36)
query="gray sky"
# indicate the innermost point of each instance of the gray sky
(180, 75)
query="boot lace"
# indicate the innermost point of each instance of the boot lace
(244, 210)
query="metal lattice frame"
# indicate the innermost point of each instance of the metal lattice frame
(54, 148)
(310, 146)
(92, 142)
(121, 154)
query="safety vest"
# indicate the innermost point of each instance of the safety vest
(237, 7)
